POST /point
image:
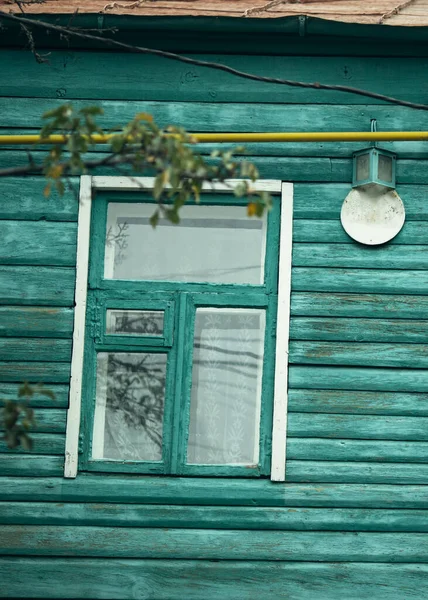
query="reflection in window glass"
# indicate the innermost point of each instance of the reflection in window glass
(129, 406)
(226, 386)
(135, 322)
(217, 244)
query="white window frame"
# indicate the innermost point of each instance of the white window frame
(88, 185)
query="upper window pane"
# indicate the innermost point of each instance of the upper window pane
(217, 244)
(135, 322)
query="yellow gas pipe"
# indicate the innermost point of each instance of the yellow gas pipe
(312, 136)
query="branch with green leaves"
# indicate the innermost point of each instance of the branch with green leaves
(140, 147)
(17, 416)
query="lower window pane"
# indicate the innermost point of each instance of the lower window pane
(129, 406)
(226, 386)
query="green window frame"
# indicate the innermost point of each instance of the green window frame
(178, 302)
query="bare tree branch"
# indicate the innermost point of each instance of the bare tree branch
(73, 32)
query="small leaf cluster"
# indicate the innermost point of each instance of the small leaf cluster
(77, 128)
(18, 416)
(142, 147)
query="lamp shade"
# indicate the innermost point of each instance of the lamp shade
(373, 166)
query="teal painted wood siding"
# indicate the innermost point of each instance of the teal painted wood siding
(351, 521)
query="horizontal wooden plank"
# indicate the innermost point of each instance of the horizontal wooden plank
(355, 472)
(359, 354)
(128, 489)
(356, 256)
(38, 243)
(77, 74)
(324, 231)
(287, 168)
(352, 402)
(127, 579)
(359, 305)
(23, 465)
(209, 544)
(23, 116)
(376, 281)
(356, 450)
(212, 517)
(36, 321)
(25, 112)
(35, 349)
(315, 201)
(26, 201)
(278, 168)
(10, 391)
(35, 372)
(358, 330)
(43, 443)
(355, 378)
(50, 420)
(364, 427)
(46, 286)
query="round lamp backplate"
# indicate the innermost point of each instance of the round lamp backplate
(372, 216)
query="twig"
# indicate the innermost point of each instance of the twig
(394, 11)
(260, 9)
(213, 65)
(39, 57)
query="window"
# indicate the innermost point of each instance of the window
(176, 367)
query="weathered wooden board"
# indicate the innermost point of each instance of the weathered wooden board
(77, 74)
(376, 281)
(349, 305)
(354, 256)
(128, 489)
(298, 471)
(200, 544)
(328, 231)
(355, 449)
(24, 465)
(355, 378)
(45, 286)
(359, 330)
(355, 472)
(35, 349)
(24, 200)
(127, 579)
(352, 402)
(23, 116)
(314, 201)
(10, 391)
(38, 243)
(359, 354)
(35, 372)
(287, 168)
(36, 321)
(50, 420)
(363, 427)
(212, 517)
(283, 168)
(43, 443)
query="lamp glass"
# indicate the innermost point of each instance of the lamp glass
(384, 168)
(363, 167)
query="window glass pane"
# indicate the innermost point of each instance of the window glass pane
(226, 386)
(129, 406)
(212, 243)
(135, 322)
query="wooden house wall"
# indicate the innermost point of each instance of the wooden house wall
(350, 521)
